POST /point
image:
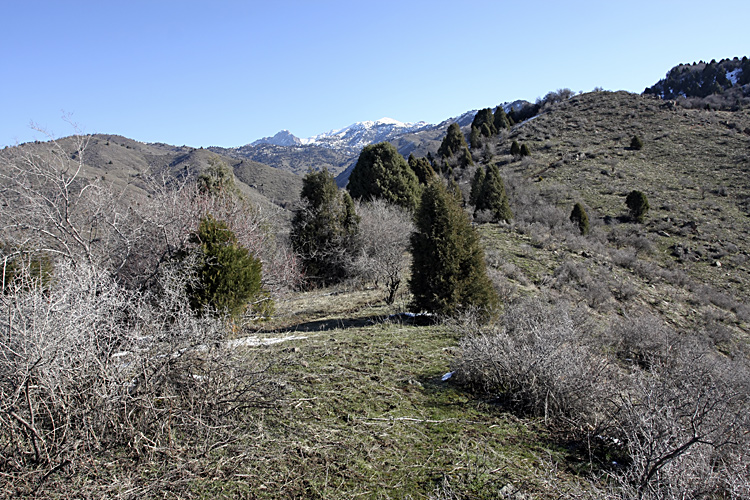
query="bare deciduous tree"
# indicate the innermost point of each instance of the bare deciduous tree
(383, 242)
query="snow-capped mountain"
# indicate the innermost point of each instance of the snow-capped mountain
(349, 139)
(358, 135)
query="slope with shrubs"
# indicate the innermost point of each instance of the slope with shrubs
(617, 366)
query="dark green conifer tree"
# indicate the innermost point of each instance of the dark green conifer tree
(228, 276)
(422, 168)
(500, 119)
(475, 138)
(381, 172)
(493, 197)
(636, 143)
(515, 149)
(525, 151)
(454, 144)
(637, 204)
(324, 228)
(476, 185)
(448, 269)
(579, 217)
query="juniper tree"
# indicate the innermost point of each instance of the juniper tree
(579, 217)
(421, 168)
(500, 119)
(482, 126)
(476, 185)
(228, 277)
(454, 145)
(492, 196)
(324, 228)
(637, 204)
(636, 143)
(381, 172)
(448, 268)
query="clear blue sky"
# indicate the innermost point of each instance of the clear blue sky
(228, 72)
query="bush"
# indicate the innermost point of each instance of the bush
(228, 277)
(637, 204)
(579, 217)
(636, 143)
(448, 268)
(537, 362)
(91, 368)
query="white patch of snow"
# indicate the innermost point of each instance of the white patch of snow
(733, 76)
(447, 376)
(254, 341)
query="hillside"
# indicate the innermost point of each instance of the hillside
(130, 164)
(339, 395)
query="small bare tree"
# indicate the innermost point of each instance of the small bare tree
(383, 242)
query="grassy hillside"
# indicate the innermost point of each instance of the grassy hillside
(690, 252)
(126, 163)
(354, 402)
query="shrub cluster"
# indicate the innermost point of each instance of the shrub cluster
(676, 410)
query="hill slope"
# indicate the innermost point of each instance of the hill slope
(127, 163)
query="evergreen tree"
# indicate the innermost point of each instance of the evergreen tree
(483, 126)
(524, 150)
(454, 144)
(637, 204)
(476, 185)
(500, 119)
(492, 196)
(448, 269)
(475, 138)
(579, 217)
(324, 227)
(515, 149)
(482, 118)
(636, 143)
(422, 168)
(381, 172)
(228, 276)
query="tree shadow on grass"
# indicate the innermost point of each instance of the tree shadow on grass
(323, 325)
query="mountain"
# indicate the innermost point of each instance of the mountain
(338, 150)
(283, 138)
(353, 138)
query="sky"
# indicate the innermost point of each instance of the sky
(225, 73)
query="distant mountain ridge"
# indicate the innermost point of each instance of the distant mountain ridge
(349, 139)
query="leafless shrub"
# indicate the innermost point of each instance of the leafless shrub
(685, 425)
(383, 241)
(506, 290)
(538, 362)
(625, 291)
(89, 363)
(642, 340)
(86, 365)
(624, 257)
